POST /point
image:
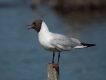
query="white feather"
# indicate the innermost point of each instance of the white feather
(80, 47)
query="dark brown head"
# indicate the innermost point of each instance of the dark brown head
(36, 25)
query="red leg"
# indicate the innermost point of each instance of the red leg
(58, 58)
(53, 57)
(57, 65)
(54, 65)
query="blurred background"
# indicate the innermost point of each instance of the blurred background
(23, 58)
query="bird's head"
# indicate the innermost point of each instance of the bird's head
(36, 25)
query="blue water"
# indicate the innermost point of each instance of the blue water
(23, 58)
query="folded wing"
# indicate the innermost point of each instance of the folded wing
(64, 43)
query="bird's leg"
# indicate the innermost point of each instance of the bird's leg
(53, 57)
(54, 65)
(57, 65)
(58, 58)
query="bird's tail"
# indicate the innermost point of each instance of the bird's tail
(85, 45)
(88, 45)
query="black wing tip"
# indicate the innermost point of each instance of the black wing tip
(88, 45)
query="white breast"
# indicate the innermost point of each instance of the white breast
(45, 42)
(45, 37)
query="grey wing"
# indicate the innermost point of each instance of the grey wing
(59, 45)
(62, 43)
(76, 42)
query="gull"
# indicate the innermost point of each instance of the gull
(55, 42)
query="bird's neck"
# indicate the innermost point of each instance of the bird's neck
(44, 29)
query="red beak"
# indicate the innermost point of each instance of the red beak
(29, 27)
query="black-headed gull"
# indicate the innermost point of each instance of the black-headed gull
(55, 42)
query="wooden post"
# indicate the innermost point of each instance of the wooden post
(53, 73)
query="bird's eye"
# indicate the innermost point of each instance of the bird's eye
(34, 23)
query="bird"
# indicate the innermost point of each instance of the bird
(55, 42)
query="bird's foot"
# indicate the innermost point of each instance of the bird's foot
(55, 65)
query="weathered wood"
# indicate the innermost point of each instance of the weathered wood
(53, 73)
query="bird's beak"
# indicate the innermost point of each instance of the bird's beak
(29, 27)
